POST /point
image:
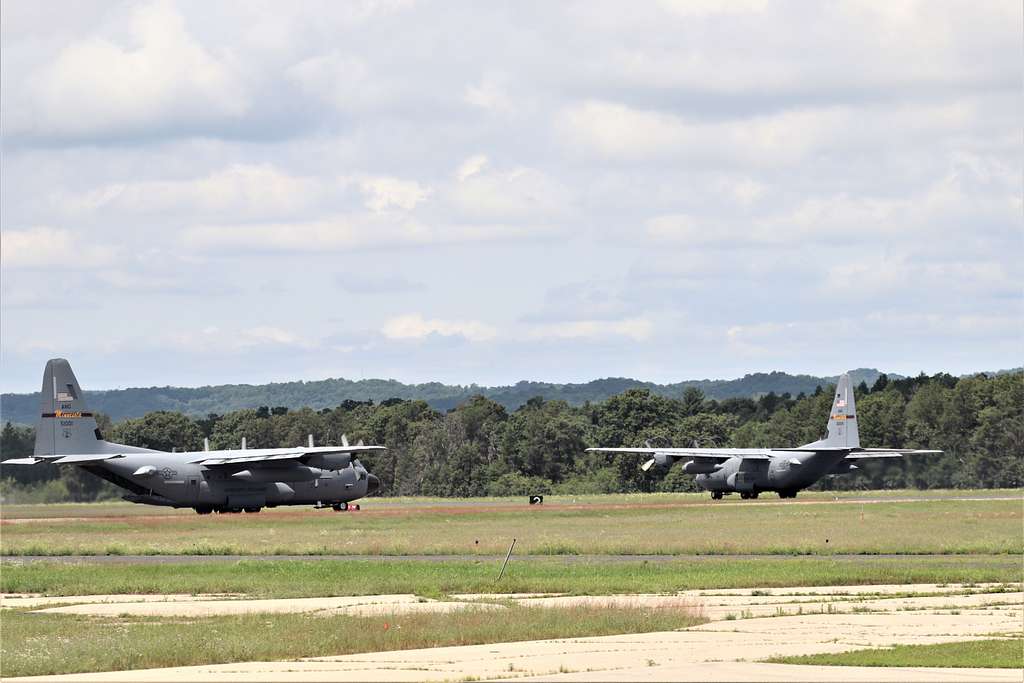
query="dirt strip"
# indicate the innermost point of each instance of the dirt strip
(834, 619)
(476, 507)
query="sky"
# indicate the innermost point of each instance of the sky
(198, 193)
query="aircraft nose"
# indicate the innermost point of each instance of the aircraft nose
(372, 483)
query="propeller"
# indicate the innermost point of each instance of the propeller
(647, 465)
(650, 463)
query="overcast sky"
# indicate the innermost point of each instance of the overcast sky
(202, 193)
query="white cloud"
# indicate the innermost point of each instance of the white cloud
(256, 189)
(617, 131)
(160, 76)
(45, 247)
(340, 233)
(471, 166)
(238, 339)
(638, 329)
(517, 194)
(415, 326)
(490, 95)
(972, 191)
(384, 193)
(349, 232)
(695, 8)
(341, 80)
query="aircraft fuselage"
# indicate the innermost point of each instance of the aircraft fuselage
(160, 478)
(786, 472)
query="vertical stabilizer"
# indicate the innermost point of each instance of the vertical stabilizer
(842, 421)
(66, 426)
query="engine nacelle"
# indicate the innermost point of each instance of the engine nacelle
(277, 474)
(663, 460)
(330, 461)
(843, 467)
(694, 467)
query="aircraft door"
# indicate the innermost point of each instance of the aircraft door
(192, 488)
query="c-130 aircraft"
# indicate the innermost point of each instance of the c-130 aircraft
(208, 481)
(749, 471)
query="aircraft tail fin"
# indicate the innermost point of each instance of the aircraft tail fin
(842, 420)
(65, 424)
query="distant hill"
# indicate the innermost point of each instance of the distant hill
(328, 393)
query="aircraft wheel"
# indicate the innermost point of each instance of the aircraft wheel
(339, 507)
(253, 509)
(716, 495)
(744, 495)
(754, 494)
(203, 510)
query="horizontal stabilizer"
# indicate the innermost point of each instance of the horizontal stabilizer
(22, 461)
(85, 459)
(80, 459)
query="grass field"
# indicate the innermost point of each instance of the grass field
(36, 644)
(1005, 653)
(121, 509)
(652, 524)
(289, 578)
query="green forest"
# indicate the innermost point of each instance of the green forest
(481, 448)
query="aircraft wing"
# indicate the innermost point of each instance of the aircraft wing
(706, 454)
(870, 453)
(272, 456)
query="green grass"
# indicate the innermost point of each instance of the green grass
(37, 644)
(678, 524)
(288, 578)
(1005, 653)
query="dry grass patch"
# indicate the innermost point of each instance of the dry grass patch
(37, 644)
(1002, 653)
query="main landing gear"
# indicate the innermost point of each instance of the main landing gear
(206, 509)
(787, 494)
(748, 494)
(716, 495)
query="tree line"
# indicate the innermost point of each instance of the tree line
(328, 393)
(481, 448)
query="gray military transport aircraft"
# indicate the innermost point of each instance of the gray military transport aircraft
(208, 481)
(750, 471)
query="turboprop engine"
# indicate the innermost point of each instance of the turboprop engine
(661, 460)
(330, 461)
(694, 467)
